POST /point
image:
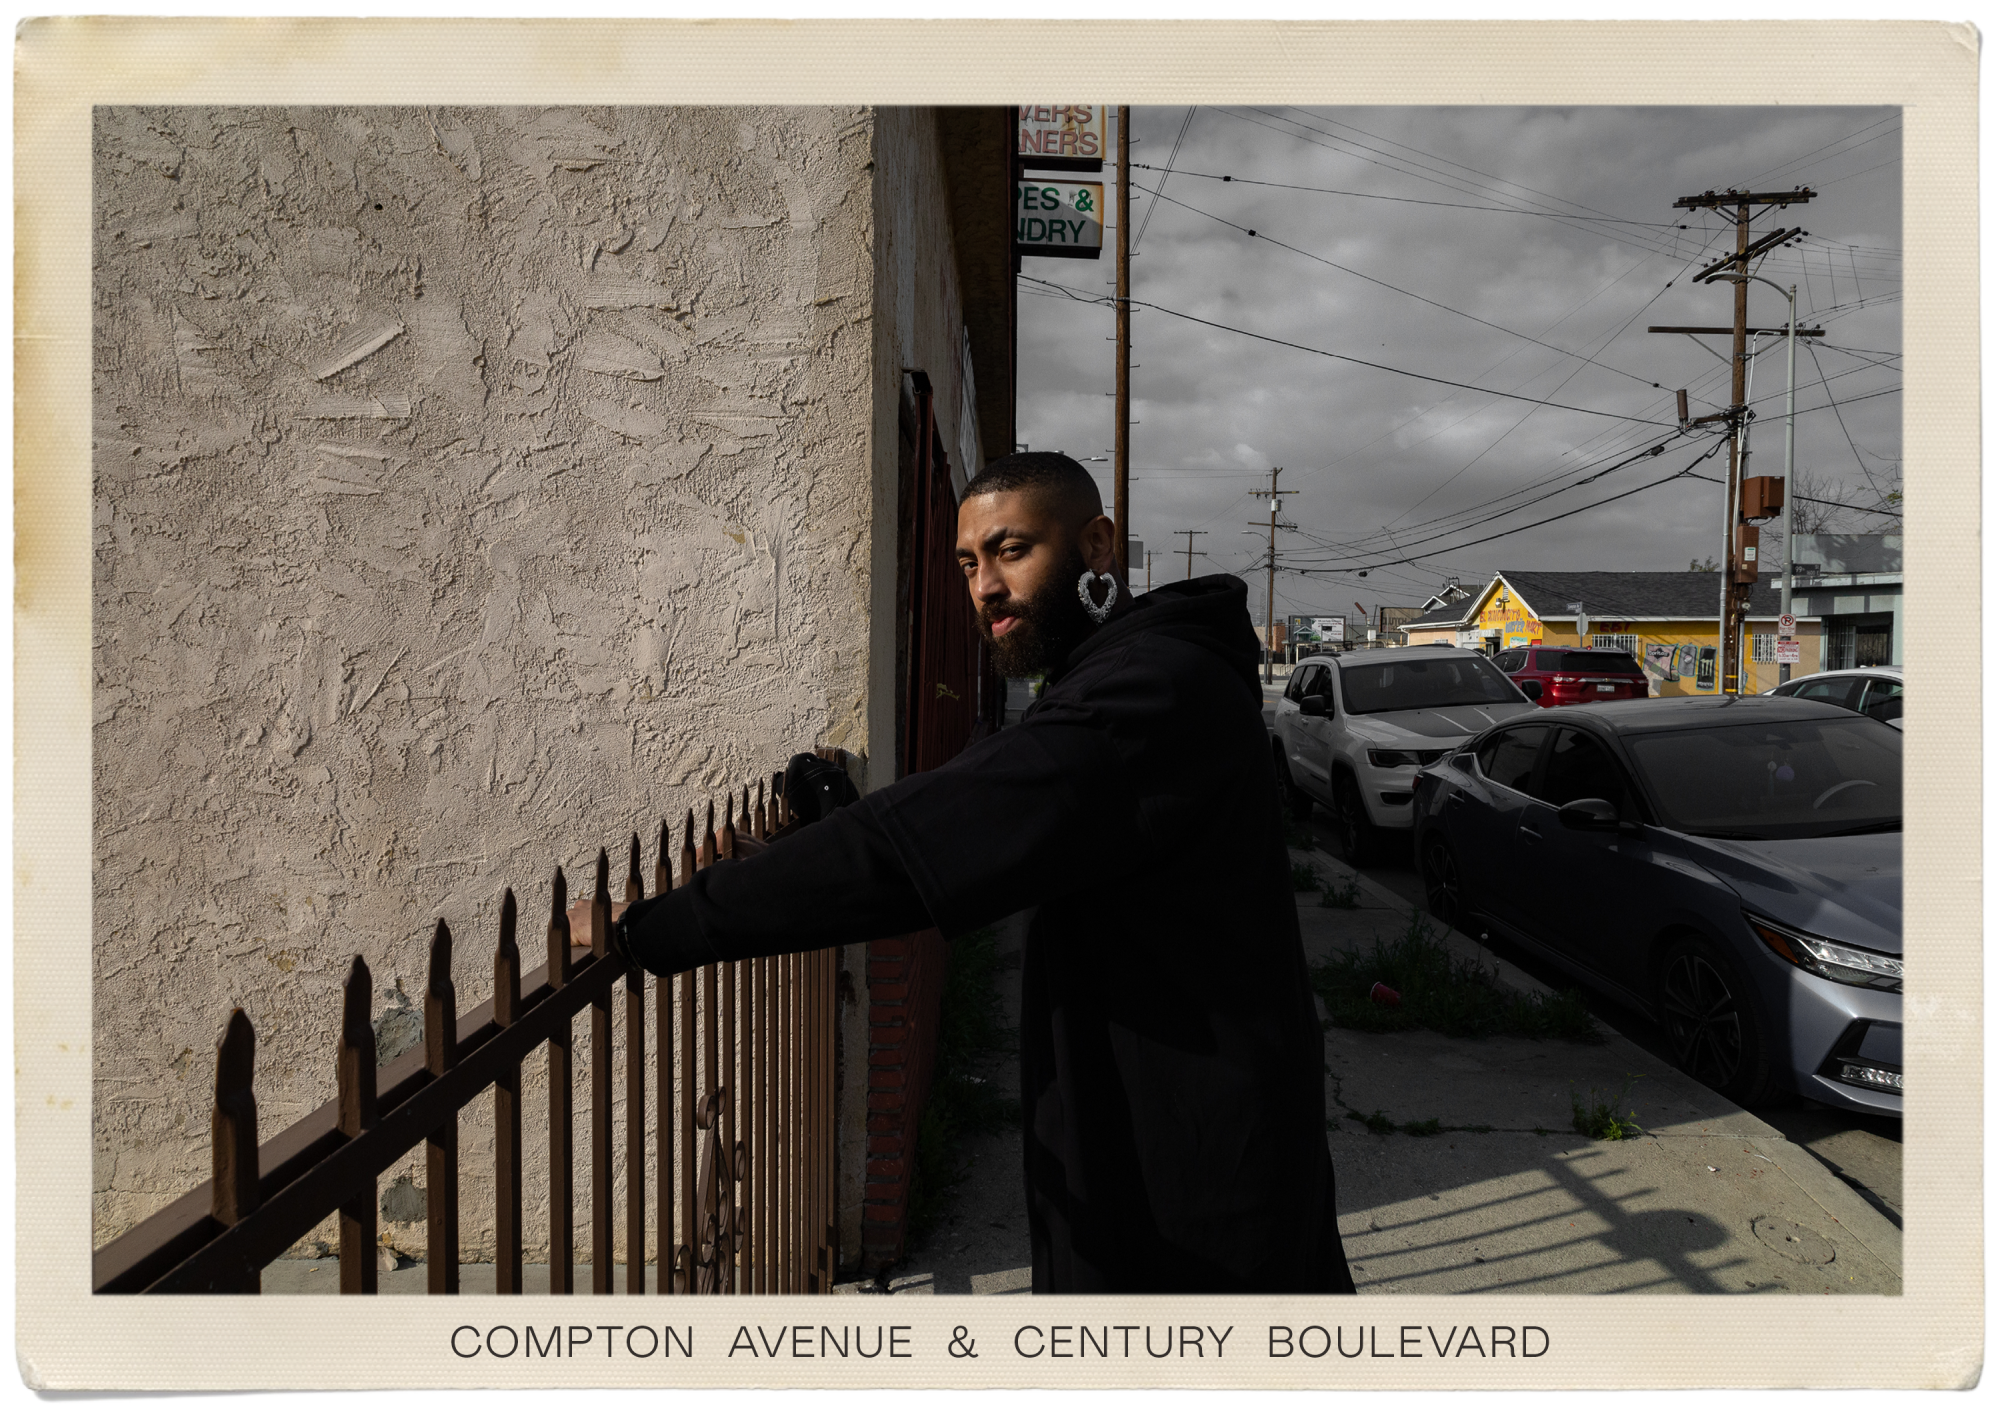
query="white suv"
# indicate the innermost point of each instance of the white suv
(1872, 692)
(1352, 730)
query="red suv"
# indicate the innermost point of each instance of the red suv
(1561, 677)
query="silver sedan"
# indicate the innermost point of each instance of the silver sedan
(1732, 865)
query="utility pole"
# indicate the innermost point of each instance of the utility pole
(1149, 570)
(1190, 549)
(1271, 570)
(1735, 597)
(1123, 447)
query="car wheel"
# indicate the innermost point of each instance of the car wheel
(1710, 1016)
(1298, 805)
(1444, 887)
(1359, 840)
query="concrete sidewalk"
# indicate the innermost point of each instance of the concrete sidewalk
(1707, 1199)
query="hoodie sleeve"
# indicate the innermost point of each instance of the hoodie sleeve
(1025, 815)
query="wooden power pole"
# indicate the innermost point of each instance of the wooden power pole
(1271, 571)
(1738, 576)
(1122, 448)
(1190, 549)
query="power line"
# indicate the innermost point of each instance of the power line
(1783, 166)
(1560, 516)
(1422, 299)
(1089, 298)
(1335, 122)
(1154, 204)
(1171, 170)
(1595, 476)
(1818, 500)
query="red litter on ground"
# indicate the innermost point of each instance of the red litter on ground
(1385, 995)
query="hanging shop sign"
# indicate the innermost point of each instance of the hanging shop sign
(1059, 218)
(1061, 137)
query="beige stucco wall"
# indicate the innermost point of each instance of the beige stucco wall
(472, 487)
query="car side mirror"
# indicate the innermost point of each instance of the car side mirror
(1533, 688)
(1590, 813)
(1314, 706)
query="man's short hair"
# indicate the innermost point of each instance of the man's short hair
(1050, 477)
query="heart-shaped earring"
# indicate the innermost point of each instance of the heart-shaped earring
(1098, 612)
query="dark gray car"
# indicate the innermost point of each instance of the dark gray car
(1733, 866)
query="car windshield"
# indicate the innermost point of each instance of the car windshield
(1776, 780)
(1398, 684)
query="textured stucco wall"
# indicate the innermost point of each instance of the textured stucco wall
(472, 486)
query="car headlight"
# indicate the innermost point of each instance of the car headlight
(1388, 758)
(1836, 962)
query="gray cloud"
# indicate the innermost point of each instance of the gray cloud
(1389, 466)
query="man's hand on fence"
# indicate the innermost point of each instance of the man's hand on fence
(579, 924)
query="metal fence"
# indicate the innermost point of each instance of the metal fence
(743, 1088)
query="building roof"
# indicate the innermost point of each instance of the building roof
(1445, 616)
(1631, 594)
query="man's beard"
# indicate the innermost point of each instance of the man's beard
(1048, 624)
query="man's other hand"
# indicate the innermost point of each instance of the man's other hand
(815, 788)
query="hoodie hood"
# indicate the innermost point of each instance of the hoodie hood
(1212, 613)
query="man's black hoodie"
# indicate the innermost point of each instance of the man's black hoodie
(1174, 1120)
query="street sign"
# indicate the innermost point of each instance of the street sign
(1061, 137)
(1787, 624)
(1788, 650)
(1059, 218)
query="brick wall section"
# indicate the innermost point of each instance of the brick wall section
(905, 987)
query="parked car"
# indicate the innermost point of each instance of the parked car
(1559, 677)
(1873, 692)
(1352, 729)
(1733, 866)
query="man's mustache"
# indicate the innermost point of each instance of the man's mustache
(1010, 609)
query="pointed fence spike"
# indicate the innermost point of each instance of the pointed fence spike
(440, 1006)
(440, 971)
(357, 1051)
(357, 1112)
(233, 1129)
(506, 966)
(688, 861)
(559, 930)
(600, 907)
(635, 884)
(663, 877)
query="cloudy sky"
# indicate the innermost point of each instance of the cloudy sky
(1520, 251)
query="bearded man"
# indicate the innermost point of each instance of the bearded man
(1173, 1110)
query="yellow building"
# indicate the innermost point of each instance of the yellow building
(1667, 619)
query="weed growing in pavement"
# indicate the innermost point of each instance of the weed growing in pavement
(1305, 878)
(1456, 996)
(1298, 835)
(1378, 1123)
(1342, 896)
(1598, 1119)
(961, 1103)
